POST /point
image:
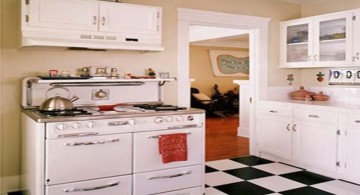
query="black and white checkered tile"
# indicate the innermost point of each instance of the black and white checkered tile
(251, 175)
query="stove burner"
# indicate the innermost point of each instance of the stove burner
(159, 107)
(73, 112)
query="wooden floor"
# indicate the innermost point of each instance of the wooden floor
(221, 139)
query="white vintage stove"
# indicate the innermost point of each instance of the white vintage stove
(87, 151)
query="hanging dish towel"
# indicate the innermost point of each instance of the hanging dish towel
(173, 147)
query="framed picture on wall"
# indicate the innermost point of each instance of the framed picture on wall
(229, 63)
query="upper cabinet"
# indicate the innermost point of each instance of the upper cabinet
(319, 41)
(91, 24)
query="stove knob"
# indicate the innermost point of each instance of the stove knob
(159, 120)
(131, 122)
(169, 119)
(179, 118)
(75, 125)
(61, 126)
(90, 124)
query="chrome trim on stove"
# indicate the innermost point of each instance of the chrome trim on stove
(91, 188)
(78, 134)
(157, 136)
(92, 143)
(183, 126)
(171, 176)
(96, 84)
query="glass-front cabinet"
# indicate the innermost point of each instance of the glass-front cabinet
(319, 41)
(356, 45)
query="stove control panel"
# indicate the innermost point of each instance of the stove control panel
(122, 125)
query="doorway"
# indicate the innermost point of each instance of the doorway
(258, 28)
(218, 57)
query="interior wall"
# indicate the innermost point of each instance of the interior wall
(1, 83)
(19, 63)
(201, 70)
(318, 7)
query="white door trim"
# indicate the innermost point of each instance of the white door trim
(258, 27)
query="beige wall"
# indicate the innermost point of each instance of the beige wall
(318, 7)
(201, 71)
(17, 64)
(1, 83)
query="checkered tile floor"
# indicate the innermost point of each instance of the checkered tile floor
(251, 175)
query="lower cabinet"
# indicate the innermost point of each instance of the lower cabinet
(274, 135)
(349, 147)
(307, 137)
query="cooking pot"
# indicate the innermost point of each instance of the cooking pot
(58, 103)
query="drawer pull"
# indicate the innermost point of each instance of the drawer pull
(182, 126)
(78, 134)
(157, 136)
(294, 128)
(273, 111)
(92, 143)
(92, 188)
(313, 116)
(171, 176)
(357, 121)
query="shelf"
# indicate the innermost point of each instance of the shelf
(333, 40)
(300, 43)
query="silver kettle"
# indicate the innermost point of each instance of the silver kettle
(58, 103)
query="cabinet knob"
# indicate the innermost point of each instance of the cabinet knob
(94, 20)
(294, 128)
(103, 19)
(288, 127)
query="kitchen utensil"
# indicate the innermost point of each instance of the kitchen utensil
(58, 103)
(300, 94)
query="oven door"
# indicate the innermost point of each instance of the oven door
(76, 159)
(146, 149)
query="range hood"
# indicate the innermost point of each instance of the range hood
(91, 24)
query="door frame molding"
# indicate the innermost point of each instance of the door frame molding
(258, 53)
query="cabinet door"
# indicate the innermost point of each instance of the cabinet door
(296, 44)
(315, 144)
(70, 14)
(333, 39)
(356, 45)
(274, 135)
(129, 19)
(349, 152)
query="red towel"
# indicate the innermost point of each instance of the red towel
(173, 147)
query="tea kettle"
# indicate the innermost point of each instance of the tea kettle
(58, 103)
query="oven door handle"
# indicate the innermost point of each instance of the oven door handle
(91, 188)
(170, 176)
(78, 134)
(92, 143)
(183, 126)
(158, 136)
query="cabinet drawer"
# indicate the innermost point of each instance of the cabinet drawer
(109, 186)
(146, 150)
(168, 180)
(191, 191)
(76, 159)
(275, 111)
(316, 116)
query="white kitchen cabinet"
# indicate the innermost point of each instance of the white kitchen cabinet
(349, 147)
(70, 14)
(129, 19)
(319, 41)
(356, 45)
(274, 135)
(315, 144)
(308, 137)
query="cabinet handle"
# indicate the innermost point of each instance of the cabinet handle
(94, 20)
(357, 121)
(294, 127)
(170, 176)
(103, 19)
(357, 56)
(313, 116)
(314, 58)
(273, 111)
(91, 143)
(91, 188)
(309, 58)
(288, 127)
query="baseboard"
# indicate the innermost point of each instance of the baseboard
(10, 184)
(243, 132)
